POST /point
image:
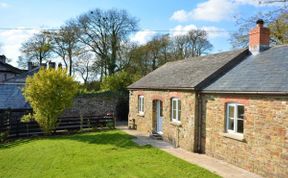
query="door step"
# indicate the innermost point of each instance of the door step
(156, 136)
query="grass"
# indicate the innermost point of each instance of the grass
(99, 154)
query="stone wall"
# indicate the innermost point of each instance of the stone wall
(93, 104)
(179, 135)
(264, 149)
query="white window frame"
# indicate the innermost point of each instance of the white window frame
(177, 119)
(235, 118)
(141, 104)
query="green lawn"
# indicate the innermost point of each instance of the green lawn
(99, 154)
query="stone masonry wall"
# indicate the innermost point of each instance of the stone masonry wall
(179, 135)
(264, 149)
(89, 105)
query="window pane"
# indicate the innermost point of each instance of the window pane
(231, 123)
(179, 115)
(142, 104)
(231, 111)
(139, 103)
(161, 108)
(171, 110)
(174, 104)
(173, 114)
(240, 126)
(240, 112)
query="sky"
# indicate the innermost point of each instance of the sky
(20, 19)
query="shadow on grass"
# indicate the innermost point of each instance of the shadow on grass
(114, 137)
(14, 143)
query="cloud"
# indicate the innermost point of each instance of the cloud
(180, 16)
(217, 10)
(182, 29)
(213, 32)
(250, 2)
(11, 41)
(143, 36)
(259, 3)
(211, 10)
(3, 5)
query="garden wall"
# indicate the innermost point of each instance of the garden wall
(98, 104)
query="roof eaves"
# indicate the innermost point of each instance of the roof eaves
(14, 69)
(162, 88)
(244, 92)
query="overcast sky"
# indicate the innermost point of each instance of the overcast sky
(19, 19)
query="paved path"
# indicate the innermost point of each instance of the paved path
(219, 167)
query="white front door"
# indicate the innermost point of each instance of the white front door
(159, 117)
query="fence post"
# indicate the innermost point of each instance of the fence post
(1, 121)
(17, 127)
(1, 125)
(114, 119)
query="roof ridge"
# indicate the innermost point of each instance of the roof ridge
(208, 55)
(23, 74)
(11, 67)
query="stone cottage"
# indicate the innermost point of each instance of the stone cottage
(232, 105)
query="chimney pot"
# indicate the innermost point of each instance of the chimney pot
(60, 65)
(30, 65)
(52, 65)
(260, 23)
(3, 58)
(43, 65)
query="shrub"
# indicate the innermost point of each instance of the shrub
(49, 93)
(118, 81)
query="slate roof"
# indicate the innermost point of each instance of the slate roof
(265, 72)
(11, 97)
(12, 68)
(190, 73)
(11, 91)
(22, 77)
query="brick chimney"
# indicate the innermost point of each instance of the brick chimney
(30, 65)
(3, 58)
(51, 65)
(259, 38)
(60, 65)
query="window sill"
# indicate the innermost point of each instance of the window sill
(141, 114)
(175, 123)
(234, 136)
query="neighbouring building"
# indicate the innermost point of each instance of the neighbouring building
(7, 71)
(11, 97)
(232, 105)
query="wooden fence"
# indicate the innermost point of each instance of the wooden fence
(12, 127)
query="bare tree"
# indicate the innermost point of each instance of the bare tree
(37, 48)
(84, 66)
(276, 20)
(193, 44)
(157, 50)
(104, 32)
(163, 48)
(65, 44)
(199, 43)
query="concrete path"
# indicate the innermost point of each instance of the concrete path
(219, 167)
